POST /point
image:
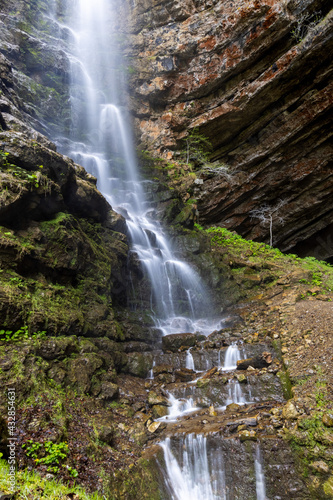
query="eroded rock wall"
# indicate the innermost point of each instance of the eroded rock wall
(255, 78)
(63, 250)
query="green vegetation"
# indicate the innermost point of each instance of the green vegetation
(320, 273)
(21, 334)
(32, 485)
(21, 173)
(221, 237)
(311, 437)
(54, 454)
(88, 274)
(321, 392)
(196, 148)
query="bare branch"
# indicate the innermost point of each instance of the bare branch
(267, 215)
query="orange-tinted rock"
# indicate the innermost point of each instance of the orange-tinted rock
(263, 98)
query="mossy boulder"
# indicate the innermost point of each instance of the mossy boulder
(81, 369)
(139, 364)
(57, 348)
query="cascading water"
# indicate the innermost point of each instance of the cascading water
(232, 355)
(101, 141)
(150, 375)
(235, 393)
(189, 362)
(200, 467)
(260, 477)
(178, 408)
(195, 463)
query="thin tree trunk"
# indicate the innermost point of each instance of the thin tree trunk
(271, 230)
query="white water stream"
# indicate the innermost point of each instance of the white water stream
(196, 472)
(178, 408)
(232, 355)
(189, 362)
(101, 140)
(260, 477)
(190, 477)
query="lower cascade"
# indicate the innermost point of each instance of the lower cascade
(194, 471)
(260, 477)
(192, 476)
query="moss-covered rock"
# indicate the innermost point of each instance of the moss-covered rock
(63, 264)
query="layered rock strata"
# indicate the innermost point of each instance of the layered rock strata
(253, 77)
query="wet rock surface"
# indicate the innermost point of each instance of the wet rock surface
(235, 410)
(229, 422)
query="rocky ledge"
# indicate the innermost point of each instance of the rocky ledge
(254, 78)
(63, 251)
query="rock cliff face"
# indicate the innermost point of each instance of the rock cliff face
(63, 251)
(253, 77)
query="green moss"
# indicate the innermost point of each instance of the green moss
(119, 330)
(328, 487)
(70, 285)
(285, 383)
(140, 481)
(263, 256)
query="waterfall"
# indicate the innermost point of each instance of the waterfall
(260, 477)
(197, 467)
(235, 393)
(192, 477)
(178, 408)
(101, 140)
(150, 375)
(189, 362)
(219, 359)
(232, 355)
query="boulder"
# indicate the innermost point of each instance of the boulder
(159, 369)
(154, 426)
(108, 392)
(157, 399)
(241, 378)
(159, 411)
(81, 369)
(320, 466)
(289, 411)
(328, 419)
(139, 364)
(175, 341)
(260, 361)
(57, 348)
(248, 435)
(184, 374)
(202, 383)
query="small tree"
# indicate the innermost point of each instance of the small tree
(268, 215)
(197, 147)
